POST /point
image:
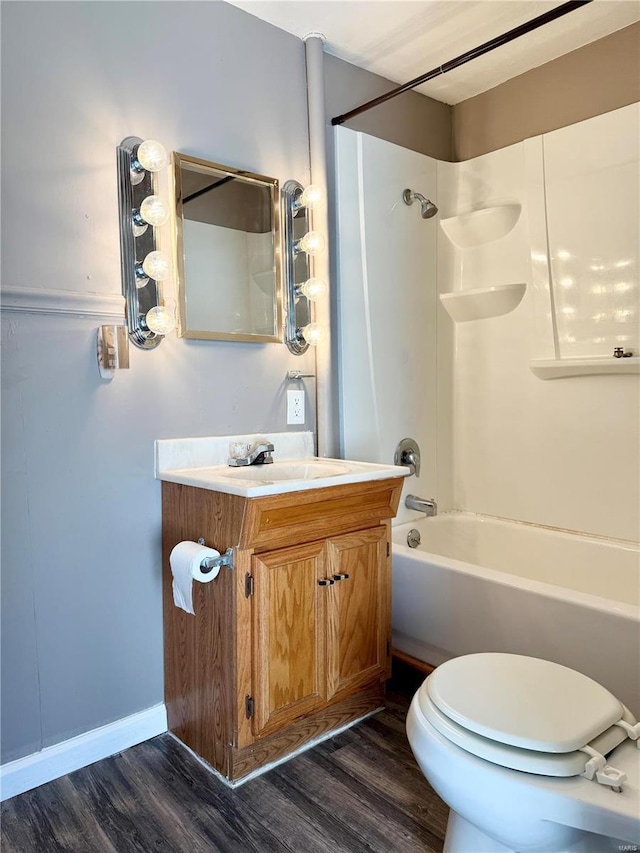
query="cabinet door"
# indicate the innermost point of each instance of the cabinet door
(358, 617)
(289, 660)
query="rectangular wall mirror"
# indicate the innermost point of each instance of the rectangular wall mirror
(228, 252)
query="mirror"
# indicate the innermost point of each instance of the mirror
(228, 252)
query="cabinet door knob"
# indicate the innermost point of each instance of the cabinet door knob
(326, 582)
(342, 577)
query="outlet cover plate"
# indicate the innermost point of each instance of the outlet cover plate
(295, 407)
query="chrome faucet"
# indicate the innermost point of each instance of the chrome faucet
(260, 454)
(426, 505)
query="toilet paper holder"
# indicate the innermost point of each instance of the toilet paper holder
(211, 563)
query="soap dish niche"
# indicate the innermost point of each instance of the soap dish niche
(481, 226)
(483, 302)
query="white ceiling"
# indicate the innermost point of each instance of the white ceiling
(402, 39)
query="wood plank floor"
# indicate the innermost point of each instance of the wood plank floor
(359, 791)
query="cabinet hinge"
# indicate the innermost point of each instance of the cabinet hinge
(248, 585)
(388, 550)
(249, 706)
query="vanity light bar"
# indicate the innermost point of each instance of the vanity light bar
(142, 266)
(300, 288)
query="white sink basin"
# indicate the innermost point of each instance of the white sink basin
(310, 469)
(202, 462)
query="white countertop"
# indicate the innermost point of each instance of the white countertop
(197, 462)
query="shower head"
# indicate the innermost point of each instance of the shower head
(428, 208)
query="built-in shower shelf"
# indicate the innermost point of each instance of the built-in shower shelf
(481, 226)
(561, 368)
(483, 302)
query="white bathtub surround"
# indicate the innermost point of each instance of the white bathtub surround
(496, 438)
(562, 454)
(387, 254)
(592, 173)
(560, 368)
(50, 763)
(483, 584)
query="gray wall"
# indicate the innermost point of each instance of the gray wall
(81, 582)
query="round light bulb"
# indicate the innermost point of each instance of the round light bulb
(313, 334)
(314, 289)
(152, 155)
(156, 266)
(160, 320)
(311, 196)
(312, 243)
(154, 210)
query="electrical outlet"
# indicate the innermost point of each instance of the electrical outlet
(295, 407)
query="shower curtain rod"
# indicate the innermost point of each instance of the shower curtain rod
(515, 33)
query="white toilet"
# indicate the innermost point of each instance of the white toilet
(515, 746)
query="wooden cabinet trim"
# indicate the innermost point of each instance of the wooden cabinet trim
(297, 517)
(276, 746)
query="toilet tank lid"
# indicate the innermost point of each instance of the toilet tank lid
(523, 701)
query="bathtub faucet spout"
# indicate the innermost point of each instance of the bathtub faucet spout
(426, 505)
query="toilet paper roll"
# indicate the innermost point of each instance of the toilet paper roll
(185, 561)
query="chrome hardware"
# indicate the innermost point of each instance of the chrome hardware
(210, 563)
(426, 505)
(260, 454)
(296, 267)
(326, 582)
(298, 374)
(619, 352)
(427, 207)
(141, 293)
(413, 538)
(343, 577)
(408, 454)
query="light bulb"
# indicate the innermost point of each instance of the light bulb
(154, 210)
(314, 289)
(312, 243)
(313, 334)
(152, 156)
(156, 266)
(160, 320)
(311, 196)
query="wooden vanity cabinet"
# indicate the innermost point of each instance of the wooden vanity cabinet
(294, 641)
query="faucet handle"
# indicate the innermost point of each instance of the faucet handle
(239, 449)
(408, 454)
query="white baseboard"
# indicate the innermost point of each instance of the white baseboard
(33, 770)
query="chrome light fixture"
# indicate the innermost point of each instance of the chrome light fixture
(144, 268)
(301, 287)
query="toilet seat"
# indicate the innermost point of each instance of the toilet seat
(527, 714)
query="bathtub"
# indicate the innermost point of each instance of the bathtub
(479, 584)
